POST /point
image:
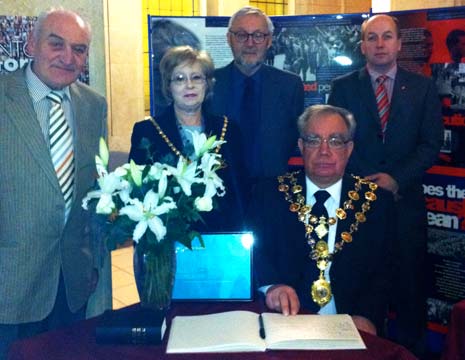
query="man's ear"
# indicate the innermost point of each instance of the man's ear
(300, 144)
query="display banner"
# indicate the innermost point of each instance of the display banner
(321, 47)
(317, 48)
(14, 33)
(433, 43)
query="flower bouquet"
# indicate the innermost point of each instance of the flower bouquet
(156, 205)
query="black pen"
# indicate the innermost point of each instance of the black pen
(262, 328)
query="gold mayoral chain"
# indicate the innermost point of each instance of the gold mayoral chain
(321, 288)
(175, 149)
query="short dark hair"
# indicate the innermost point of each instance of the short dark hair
(453, 38)
(178, 55)
(394, 19)
(315, 111)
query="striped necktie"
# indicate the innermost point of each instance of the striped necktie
(382, 102)
(61, 148)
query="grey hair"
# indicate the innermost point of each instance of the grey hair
(249, 10)
(315, 111)
(39, 24)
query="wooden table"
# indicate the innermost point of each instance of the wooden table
(78, 342)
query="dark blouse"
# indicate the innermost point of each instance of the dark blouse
(147, 147)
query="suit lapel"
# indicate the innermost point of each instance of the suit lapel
(401, 88)
(223, 94)
(367, 95)
(19, 107)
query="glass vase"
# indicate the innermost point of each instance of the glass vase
(154, 272)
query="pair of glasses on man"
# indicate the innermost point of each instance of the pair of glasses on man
(181, 79)
(334, 142)
(242, 36)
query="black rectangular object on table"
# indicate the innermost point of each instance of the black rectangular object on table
(130, 326)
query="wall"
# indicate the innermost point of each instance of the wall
(125, 70)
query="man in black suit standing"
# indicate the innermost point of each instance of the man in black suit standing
(322, 235)
(264, 100)
(399, 135)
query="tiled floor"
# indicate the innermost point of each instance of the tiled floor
(124, 287)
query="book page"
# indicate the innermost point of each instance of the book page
(222, 332)
(311, 332)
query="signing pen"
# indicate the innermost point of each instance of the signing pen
(261, 326)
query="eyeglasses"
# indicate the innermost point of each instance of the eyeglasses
(334, 142)
(181, 79)
(242, 36)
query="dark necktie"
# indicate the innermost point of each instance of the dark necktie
(249, 123)
(382, 102)
(319, 209)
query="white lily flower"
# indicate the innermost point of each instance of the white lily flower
(146, 214)
(213, 183)
(202, 145)
(156, 171)
(184, 174)
(204, 203)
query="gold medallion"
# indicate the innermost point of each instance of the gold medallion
(346, 237)
(294, 207)
(283, 187)
(370, 196)
(366, 206)
(341, 214)
(316, 228)
(321, 230)
(321, 291)
(308, 229)
(353, 195)
(322, 264)
(322, 248)
(360, 217)
(305, 209)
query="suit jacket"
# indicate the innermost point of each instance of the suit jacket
(414, 133)
(35, 241)
(147, 147)
(282, 101)
(359, 278)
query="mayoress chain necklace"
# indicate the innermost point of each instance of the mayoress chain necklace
(317, 228)
(175, 150)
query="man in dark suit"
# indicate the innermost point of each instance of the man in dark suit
(325, 255)
(264, 100)
(46, 259)
(394, 149)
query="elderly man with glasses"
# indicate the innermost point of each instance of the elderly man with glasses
(322, 239)
(263, 100)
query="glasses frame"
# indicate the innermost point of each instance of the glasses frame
(195, 79)
(249, 35)
(306, 139)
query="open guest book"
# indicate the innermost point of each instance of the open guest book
(240, 331)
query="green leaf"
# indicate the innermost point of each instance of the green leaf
(103, 152)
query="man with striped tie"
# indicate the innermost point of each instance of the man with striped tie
(399, 134)
(50, 125)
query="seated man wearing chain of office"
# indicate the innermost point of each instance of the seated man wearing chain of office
(325, 264)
